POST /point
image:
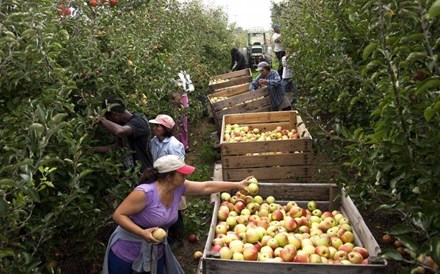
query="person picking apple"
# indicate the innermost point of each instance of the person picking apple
(152, 205)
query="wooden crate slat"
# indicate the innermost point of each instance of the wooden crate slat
(285, 159)
(356, 220)
(276, 116)
(248, 107)
(241, 98)
(264, 173)
(290, 180)
(230, 91)
(233, 74)
(244, 148)
(217, 266)
(296, 192)
(231, 82)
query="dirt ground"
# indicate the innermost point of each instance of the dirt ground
(378, 223)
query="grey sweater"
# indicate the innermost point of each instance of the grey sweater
(147, 260)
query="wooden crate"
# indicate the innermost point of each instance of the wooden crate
(287, 161)
(233, 79)
(328, 197)
(238, 99)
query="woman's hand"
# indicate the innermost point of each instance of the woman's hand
(147, 234)
(244, 183)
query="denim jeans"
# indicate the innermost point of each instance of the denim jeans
(118, 266)
(288, 85)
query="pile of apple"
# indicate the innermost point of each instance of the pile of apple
(236, 133)
(256, 229)
(217, 99)
(218, 81)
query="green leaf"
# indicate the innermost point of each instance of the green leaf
(428, 85)
(400, 229)
(416, 56)
(6, 252)
(434, 10)
(435, 249)
(7, 182)
(3, 209)
(57, 118)
(429, 112)
(37, 127)
(409, 242)
(391, 254)
(85, 172)
(369, 49)
(413, 37)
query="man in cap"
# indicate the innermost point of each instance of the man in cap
(271, 79)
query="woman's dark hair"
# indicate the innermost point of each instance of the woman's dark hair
(151, 175)
(168, 132)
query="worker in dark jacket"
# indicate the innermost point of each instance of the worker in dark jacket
(238, 60)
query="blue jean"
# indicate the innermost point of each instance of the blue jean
(118, 266)
(288, 85)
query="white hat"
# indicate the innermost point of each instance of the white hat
(170, 163)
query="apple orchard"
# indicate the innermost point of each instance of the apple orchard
(367, 76)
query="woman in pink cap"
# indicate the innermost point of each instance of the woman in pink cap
(164, 143)
(150, 206)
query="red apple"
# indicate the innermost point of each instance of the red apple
(340, 255)
(192, 238)
(288, 253)
(363, 251)
(322, 251)
(250, 253)
(301, 257)
(355, 257)
(216, 248)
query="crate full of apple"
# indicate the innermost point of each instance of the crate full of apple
(273, 146)
(229, 79)
(264, 231)
(238, 99)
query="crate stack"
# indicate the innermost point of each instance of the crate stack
(269, 159)
(276, 148)
(229, 93)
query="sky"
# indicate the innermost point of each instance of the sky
(248, 14)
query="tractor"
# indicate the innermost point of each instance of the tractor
(257, 49)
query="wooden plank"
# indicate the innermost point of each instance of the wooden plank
(302, 130)
(233, 74)
(262, 173)
(290, 180)
(230, 91)
(243, 148)
(362, 231)
(241, 98)
(294, 192)
(276, 116)
(262, 104)
(229, 83)
(284, 159)
(218, 266)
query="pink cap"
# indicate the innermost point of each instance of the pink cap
(164, 120)
(170, 163)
